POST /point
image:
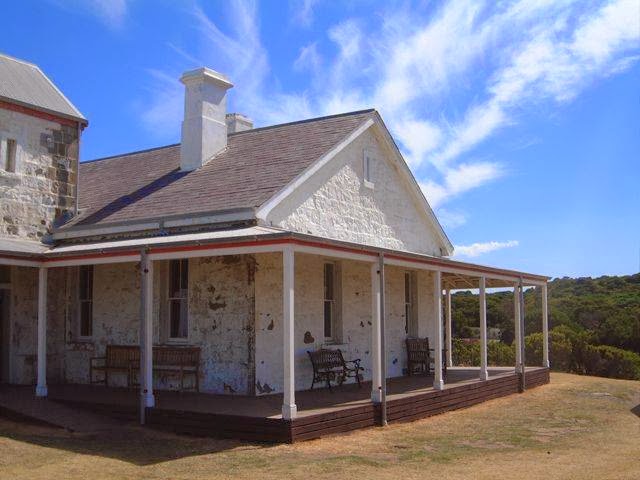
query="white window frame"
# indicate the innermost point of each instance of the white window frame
(87, 300)
(182, 296)
(367, 168)
(334, 303)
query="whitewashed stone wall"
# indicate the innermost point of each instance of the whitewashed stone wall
(42, 189)
(356, 317)
(335, 203)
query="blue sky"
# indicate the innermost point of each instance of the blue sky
(520, 120)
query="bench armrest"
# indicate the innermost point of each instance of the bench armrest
(356, 363)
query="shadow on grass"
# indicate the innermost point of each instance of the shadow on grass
(636, 410)
(127, 442)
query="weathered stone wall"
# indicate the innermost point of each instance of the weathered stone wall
(356, 317)
(336, 203)
(42, 190)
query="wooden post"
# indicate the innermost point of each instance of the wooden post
(383, 351)
(523, 360)
(289, 408)
(376, 338)
(438, 381)
(545, 328)
(516, 322)
(41, 386)
(484, 373)
(447, 310)
(147, 399)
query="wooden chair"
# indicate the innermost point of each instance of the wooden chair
(418, 354)
(329, 364)
(117, 359)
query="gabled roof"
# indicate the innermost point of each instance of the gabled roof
(25, 84)
(255, 165)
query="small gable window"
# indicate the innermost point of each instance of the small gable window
(367, 169)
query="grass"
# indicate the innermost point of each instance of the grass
(576, 427)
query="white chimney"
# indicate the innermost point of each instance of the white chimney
(236, 122)
(204, 128)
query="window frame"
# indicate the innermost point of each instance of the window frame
(410, 303)
(334, 304)
(182, 298)
(367, 168)
(85, 297)
(9, 155)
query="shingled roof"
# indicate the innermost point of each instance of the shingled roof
(256, 165)
(25, 84)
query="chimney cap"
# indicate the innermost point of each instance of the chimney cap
(204, 74)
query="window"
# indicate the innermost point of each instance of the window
(332, 302)
(178, 298)
(367, 167)
(85, 298)
(410, 292)
(9, 155)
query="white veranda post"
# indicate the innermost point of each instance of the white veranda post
(289, 409)
(376, 340)
(146, 331)
(438, 381)
(516, 321)
(447, 309)
(545, 328)
(41, 386)
(484, 373)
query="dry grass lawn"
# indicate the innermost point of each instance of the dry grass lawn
(574, 428)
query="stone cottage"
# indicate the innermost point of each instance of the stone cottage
(251, 245)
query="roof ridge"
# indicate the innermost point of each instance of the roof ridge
(19, 60)
(306, 120)
(129, 153)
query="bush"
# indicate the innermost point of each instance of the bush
(467, 354)
(612, 362)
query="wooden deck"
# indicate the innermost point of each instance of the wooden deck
(320, 412)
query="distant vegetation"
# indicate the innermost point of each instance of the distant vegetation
(594, 322)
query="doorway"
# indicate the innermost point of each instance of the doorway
(4, 335)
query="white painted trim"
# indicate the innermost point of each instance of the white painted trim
(376, 355)
(146, 331)
(545, 327)
(438, 380)
(289, 409)
(19, 262)
(216, 252)
(41, 386)
(516, 321)
(265, 209)
(328, 252)
(449, 329)
(92, 261)
(484, 372)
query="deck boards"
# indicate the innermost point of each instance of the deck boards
(324, 413)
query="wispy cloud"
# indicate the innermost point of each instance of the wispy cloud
(445, 79)
(110, 12)
(477, 249)
(302, 11)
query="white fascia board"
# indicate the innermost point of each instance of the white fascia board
(107, 230)
(18, 262)
(91, 260)
(216, 252)
(263, 212)
(413, 185)
(333, 253)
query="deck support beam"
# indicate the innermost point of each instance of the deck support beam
(449, 344)
(517, 333)
(545, 328)
(289, 408)
(147, 398)
(484, 373)
(41, 386)
(376, 337)
(438, 381)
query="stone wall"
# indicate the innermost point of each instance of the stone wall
(42, 190)
(336, 203)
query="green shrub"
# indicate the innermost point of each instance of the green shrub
(612, 362)
(467, 354)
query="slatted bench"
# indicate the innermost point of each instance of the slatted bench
(419, 355)
(173, 360)
(329, 364)
(117, 359)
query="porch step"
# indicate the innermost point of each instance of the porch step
(19, 403)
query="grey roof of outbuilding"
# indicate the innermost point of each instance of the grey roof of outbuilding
(24, 83)
(255, 166)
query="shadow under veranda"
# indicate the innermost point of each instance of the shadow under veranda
(127, 442)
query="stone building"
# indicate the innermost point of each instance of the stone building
(253, 245)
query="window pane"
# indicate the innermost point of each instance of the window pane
(328, 281)
(174, 278)
(407, 287)
(174, 318)
(183, 328)
(184, 274)
(407, 316)
(328, 318)
(86, 309)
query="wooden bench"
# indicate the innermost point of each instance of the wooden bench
(117, 359)
(179, 361)
(419, 354)
(329, 364)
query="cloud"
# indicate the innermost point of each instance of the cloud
(459, 180)
(112, 13)
(451, 219)
(308, 59)
(302, 11)
(477, 249)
